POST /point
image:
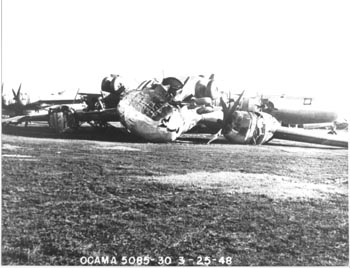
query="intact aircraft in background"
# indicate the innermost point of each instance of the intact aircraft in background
(290, 110)
(20, 104)
(163, 111)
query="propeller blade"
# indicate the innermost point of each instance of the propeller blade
(223, 105)
(186, 81)
(215, 136)
(14, 94)
(225, 110)
(229, 111)
(19, 90)
(235, 105)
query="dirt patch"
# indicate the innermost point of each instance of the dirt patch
(10, 147)
(273, 186)
(81, 198)
(119, 148)
(16, 155)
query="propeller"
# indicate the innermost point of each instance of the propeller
(16, 96)
(228, 111)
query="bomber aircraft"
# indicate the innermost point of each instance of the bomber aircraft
(291, 110)
(22, 106)
(162, 111)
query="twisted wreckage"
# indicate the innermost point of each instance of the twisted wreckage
(162, 111)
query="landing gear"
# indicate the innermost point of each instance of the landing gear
(333, 130)
(62, 118)
(98, 124)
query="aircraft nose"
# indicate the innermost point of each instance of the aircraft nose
(138, 120)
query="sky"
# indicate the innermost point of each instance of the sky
(291, 47)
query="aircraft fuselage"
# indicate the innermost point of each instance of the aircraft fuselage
(292, 110)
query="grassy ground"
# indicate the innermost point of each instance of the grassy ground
(267, 205)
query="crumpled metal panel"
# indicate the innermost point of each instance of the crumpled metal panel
(148, 114)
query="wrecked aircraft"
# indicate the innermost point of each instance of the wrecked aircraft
(161, 112)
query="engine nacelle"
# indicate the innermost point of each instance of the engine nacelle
(207, 87)
(113, 84)
(198, 87)
(243, 127)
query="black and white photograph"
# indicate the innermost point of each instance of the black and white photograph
(175, 133)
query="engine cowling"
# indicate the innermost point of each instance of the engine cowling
(207, 88)
(243, 127)
(112, 84)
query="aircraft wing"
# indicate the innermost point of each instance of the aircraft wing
(90, 94)
(103, 115)
(302, 135)
(24, 118)
(80, 115)
(44, 103)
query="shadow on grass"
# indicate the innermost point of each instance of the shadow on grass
(114, 134)
(83, 133)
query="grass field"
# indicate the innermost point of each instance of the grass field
(279, 204)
